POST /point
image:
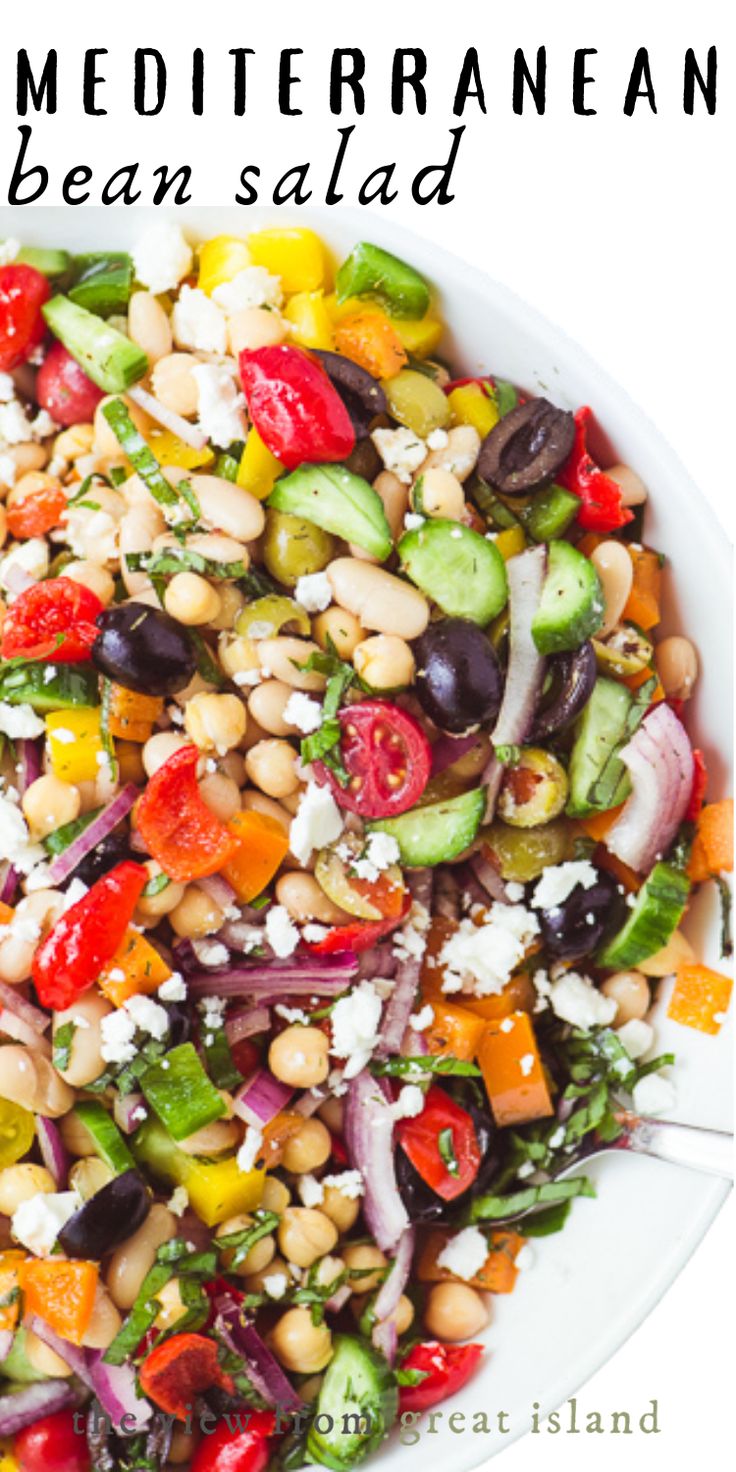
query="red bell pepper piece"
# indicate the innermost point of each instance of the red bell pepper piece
(298, 414)
(231, 1448)
(444, 1368)
(176, 825)
(179, 1369)
(23, 291)
(602, 509)
(52, 620)
(360, 935)
(442, 1145)
(37, 513)
(87, 936)
(697, 791)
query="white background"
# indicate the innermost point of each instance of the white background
(616, 228)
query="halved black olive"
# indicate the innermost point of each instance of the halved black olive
(573, 677)
(524, 451)
(577, 926)
(143, 649)
(110, 851)
(459, 681)
(360, 392)
(111, 1215)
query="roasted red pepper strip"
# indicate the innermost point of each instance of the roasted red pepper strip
(179, 1369)
(87, 936)
(37, 513)
(602, 509)
(445, 1368)
(697, 791)
(361, 935)
(442, 1145)
(52, 620)
(177, 827)
(298, 414)
(230, 1448)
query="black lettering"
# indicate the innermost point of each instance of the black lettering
(470, 73)
(537, 84)
(179, 181)
(252, 193)
(332, 196)
(340, 78)
(439, 193)
(91, 81)
(27, 87)
(77, 176)
(20, 173)
(640, 72)
(142, 53)
(287, 80)
(401, 79)
(707, 85)
(240, 53)
(111, 194)
(580, 81)
(383, 178)
(198, 81)
(296, 191)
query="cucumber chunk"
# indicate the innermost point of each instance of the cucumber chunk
(109, 358)
(551, 513)
(48, 262)
(17, 1367)
(439, 832)
(372, 272)
(571, 606)
(103, 283)
(106, 1137)
(71, 685)
(656, 914)
(361, 1400)
(334, 499)
(598, 732)
(463, 573)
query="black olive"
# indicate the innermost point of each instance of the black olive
(364, 460)
(459, 682)
(524, 451)
(573, 677)
(577, 926)
(360, 392)
(110, 851)
(107, 1218)
(180, 1024)
(143, 649)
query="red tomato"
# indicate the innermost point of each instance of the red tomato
(35, 514)
(246, 1056)
(53, 1445)
(52, 619)
(63, 388)
(297, 412)
(87, 936)
(602, 509)
(442, 1133)
(446, 1368)
(358, 935)
(387, 756)
(177, 827)
(23, 292)
(229, 1449)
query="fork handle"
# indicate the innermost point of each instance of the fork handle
(706, 1150)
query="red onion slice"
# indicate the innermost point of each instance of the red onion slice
(129, 1111)
(20, 1408)
(400, 1004)
(488, 876)
(262, 1368)
(369, 1137)
(65, 863)
(247, 1023)
(53, 1150)
(394, 1284)
(29, 763)
(115, 1388)
(218, 889)
(33, 1017)
(8, 883)
(660, 763)
(325, 976)
(261, 1098)
(525, 673)
(168, 418)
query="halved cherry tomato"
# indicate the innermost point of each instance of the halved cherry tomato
(87, 936)
(445, 1369)
(36, 513)
(229, 1449)
(442, 1145)
(361, 935)
(602, 509)
(387, 757)
(53, 1445)
(177, 827)
(53, 619)
(298, 414)
(63, 388)
(23, 291)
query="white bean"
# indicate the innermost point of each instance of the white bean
(378, 599)
(86, 1062)
(131, 1261)
(225, 507)
(149, 326)
(615, 569)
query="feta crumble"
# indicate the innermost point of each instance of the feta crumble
(250, 1149)
(281, 932)
(178, 1201)
(482, 958)
(574, 999)
(275, 1284)
(313, 592)
(401, 450)
(254, 286)
(311, 1191)
(355, 1027)
(636, 1036)
(20, 722)
(15, 842)
(162, 257)
(318, 822)
(302, 712)
(423, 1019)
(559, 880)
(198, 323)
(37, 1222)
(464, 1254)
(654, 1095)
(409, 1104)
(148, 1016)
(117, 1032)
(221, 405)
(349, 1183)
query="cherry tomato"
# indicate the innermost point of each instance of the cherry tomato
(231, 1450)
(36, 513)
(177, 827)
(87, 936)
(442, 1145)
(246, 1056)
(63, 388)
(387, 757)
(445, 1368)
(23, 292)
(359, 935)
(297, 412)
(53, 1445)
(602, 509)
(52, 619)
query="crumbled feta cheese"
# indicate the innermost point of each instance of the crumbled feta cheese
(31, 558)
(37, 1222)
(382, 850)
(526, 1064)
(559, 880)
(8, 471)
(355, 1027)
(117, 1037)
(422, 1019)
(574, 999)
(162, 257)
(254, 286)
(401, 450)
(281, 932)
(7, 385)
(315, 933)
(636, 1036)
(92, 534)
(303, 712)
(413, 520)
(64, 735)
(410, 942)
(311, 1192)
(525, 1170)
(250, 1149)
(178, 1201)
(313, 592)
(464, 1254)
(211, 952)
(16, 428)
(248, 677)
(198, 323)
(654, 1095)
(275, 1284)
(349, 1183)
(20, 722)
(75, 891)
(221, 405)
(318, 822)
(409, 1104)
(514, 891)
(291, 1014)
(148, 1016)
(15, 842)
(481, 958)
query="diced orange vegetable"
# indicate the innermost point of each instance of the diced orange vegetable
(132, 716)
(628, 877)
(6, 913)
(588, 543)
(371, 340)
(454, 1031)
(518, 995)
(136, 969)
(597, 825)
(498, 1273)
(634, 682)
(10, 1266)
(712, 850)
(700, 998)
(62, 1293)
(262, 846)
(642, 604)
(512, 1071)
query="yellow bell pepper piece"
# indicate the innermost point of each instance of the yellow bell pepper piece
(471, 405)
(419, 338)
(219, 1189)
(170, 450)
(294, 254)
(220, 259)
(75, 743)
(511, 542)
(258, 468)
(310, 319)
(8, 1462)
(136, 969)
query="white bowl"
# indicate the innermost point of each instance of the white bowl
(594, 1283)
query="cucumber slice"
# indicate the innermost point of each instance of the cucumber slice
(598, 732)
(372, 272)
(571, 607)
(359, 1400)
(439, 832)
(70, 686)
(656, 914)
(551, 513)
(462, 572)
(111, 360)
(103, 283)
(48, 262)
(338, 501)
(107, 1139)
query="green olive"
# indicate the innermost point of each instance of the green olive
(626, 651)
(417, 402)
(523, 853)
(293, 548)
(534, 789)
(269, 616)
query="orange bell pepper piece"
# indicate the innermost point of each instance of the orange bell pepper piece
(6, 913)
(512, 1071)
(10, 1266)
(598, 825)
(642, 604)
(62, 1293)
(498, 1273)
(622, 872)
(370, 340)
(454, 1031)
(136, 969)
(277, 1134)
(518, 995)
(262, 847)
(700, 998)
(712, 850)
(132, 716)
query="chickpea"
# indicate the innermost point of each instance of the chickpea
(271, 765)
(276, 1268)
(358, 1257)
(233, 765)
(30, 1080)
(377, 598)
(299, 1056)
(221, 795)
(159, 747)
(284, 656)
(438, 493)
(86, 1062)
(300, 1346)
(239, 656)
(308, 1149)
(217, 547)
(191, 600)
(305, 899)
(49, 803)
(225, 507)
(138, 530)
(182, 1446)
(385, 662)
(402, 1316)
(215, 722)
(254, 327)
(454, 1312)
(232, 602)
(339, 626)
(27, 456)
(630, 991)
(153, 906)
(212, 1139)
(260, 1255)
(333, 1114)
(174, 383)
(633, 489)
(74, 442)
(94, 576)
(43, 907)
(267, 703)
(18, 1183)
(149, 326)
(615, 569)
(677, 666)
(304, 1235)
(459, 455)
(196, 915)
(276, 1195)
(131, 1261)
(104, 1322)
(44, 1359)
(341, 1209)
(89, 1175)
(172, 1305)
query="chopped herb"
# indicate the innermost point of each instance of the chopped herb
(314, 1295)
(322, 744)
(410, 1377)
(726, 907)
(264, 1222)
(504, 393)
(140, 454)
(175, 559)
(603, 792)
(156, 885)
(63, 1040)
(108, 744)
(208, 669)
(218, 1059)
(496, 1208)
(174, 1258)
(446, 1147)
(508, 756)
(430, 1063)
